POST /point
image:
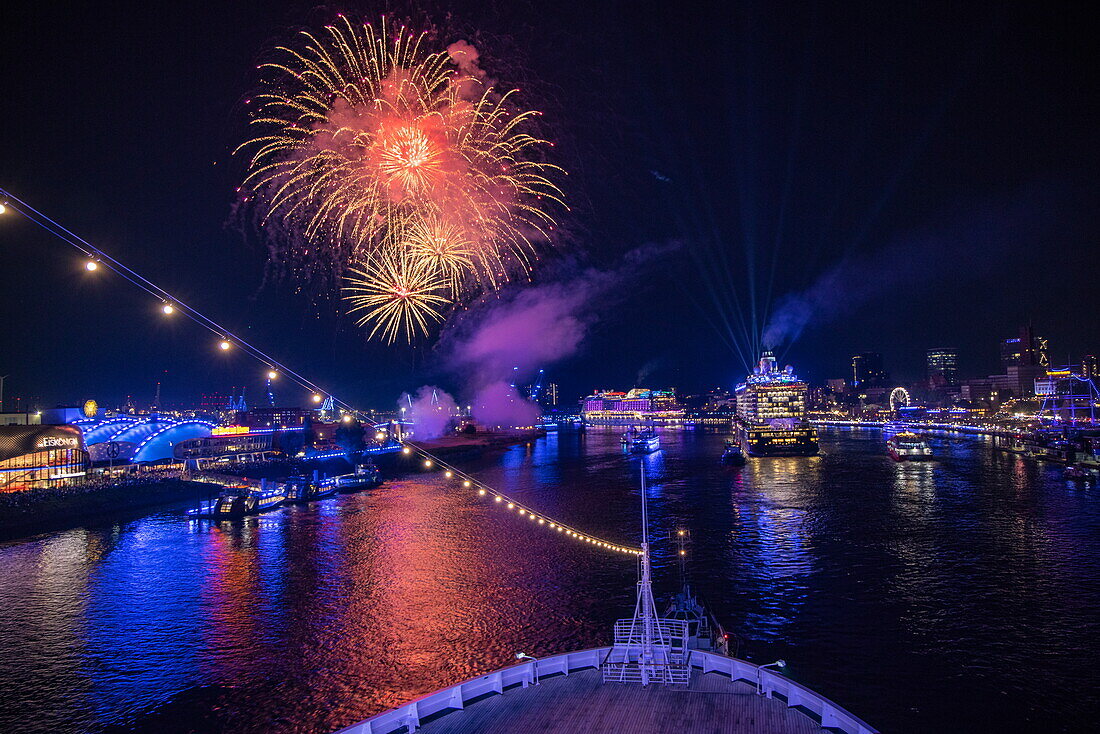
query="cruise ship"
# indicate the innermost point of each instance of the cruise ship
(771, 412)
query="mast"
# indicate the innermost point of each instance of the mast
(646, 608)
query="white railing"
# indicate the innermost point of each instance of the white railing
(410, 715)
(771, 682)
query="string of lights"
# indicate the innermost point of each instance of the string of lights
(496, 498)
(169, 304)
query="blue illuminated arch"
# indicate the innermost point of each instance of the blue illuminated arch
(158, 444)
(102, 431)
(138, 432)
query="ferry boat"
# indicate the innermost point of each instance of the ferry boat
(366, 476)
(908, 446)
(640, 441)
(243, 499)
(733, 455)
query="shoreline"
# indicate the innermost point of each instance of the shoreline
(27, 513)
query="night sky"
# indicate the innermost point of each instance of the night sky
(935, 164)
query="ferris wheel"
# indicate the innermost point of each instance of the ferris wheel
(899, 398)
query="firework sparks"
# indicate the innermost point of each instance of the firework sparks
(399, 294)
(367, 141)
(445, 248)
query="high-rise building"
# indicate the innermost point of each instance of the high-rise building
(868, 371)
(1025, 350)
(551, 395)
(943, 366)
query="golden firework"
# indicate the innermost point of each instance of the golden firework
(398, 293)
(365, 140)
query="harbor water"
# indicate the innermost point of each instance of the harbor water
(955, 595)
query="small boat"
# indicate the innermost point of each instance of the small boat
(733, 455)
(640, 441)
(243, 499)
(301, 489)
(908, 446)
(1077, 474)
(366, 476)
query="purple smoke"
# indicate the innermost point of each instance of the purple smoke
(967, 246)
(432, 411)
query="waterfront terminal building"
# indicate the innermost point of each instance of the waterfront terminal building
(36, 456)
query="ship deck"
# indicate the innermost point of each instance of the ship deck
(582, 702)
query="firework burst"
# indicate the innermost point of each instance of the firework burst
(367, 141)
(396, 293)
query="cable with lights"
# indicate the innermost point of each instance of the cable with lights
(169, 304)
(496, 498)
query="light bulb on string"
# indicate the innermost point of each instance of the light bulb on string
(224, 345)
(167, 309)
(91, 266)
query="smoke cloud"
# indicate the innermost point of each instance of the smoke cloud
(531, 328)
(498, 404)
(432, 411)
(964, 248)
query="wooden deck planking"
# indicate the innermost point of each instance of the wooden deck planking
(582, 702)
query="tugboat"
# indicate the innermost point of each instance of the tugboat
(733, 455)
(908, 446)
(242, 499)
(640, 441)
(366, 476)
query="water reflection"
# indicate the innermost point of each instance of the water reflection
(925, 596)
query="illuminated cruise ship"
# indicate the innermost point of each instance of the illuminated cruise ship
(771, 412)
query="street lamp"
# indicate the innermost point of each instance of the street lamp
(534, 665)
(760, 674)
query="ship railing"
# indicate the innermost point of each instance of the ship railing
(770, 683)
(410, 716)
(773, 684)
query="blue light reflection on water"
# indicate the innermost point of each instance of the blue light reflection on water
(921, 596)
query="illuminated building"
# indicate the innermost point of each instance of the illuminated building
(1025, 350)
(241, 443)
(868, 371)
(552, 395)
(943, 367)
(41, 456)
(771, 412)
